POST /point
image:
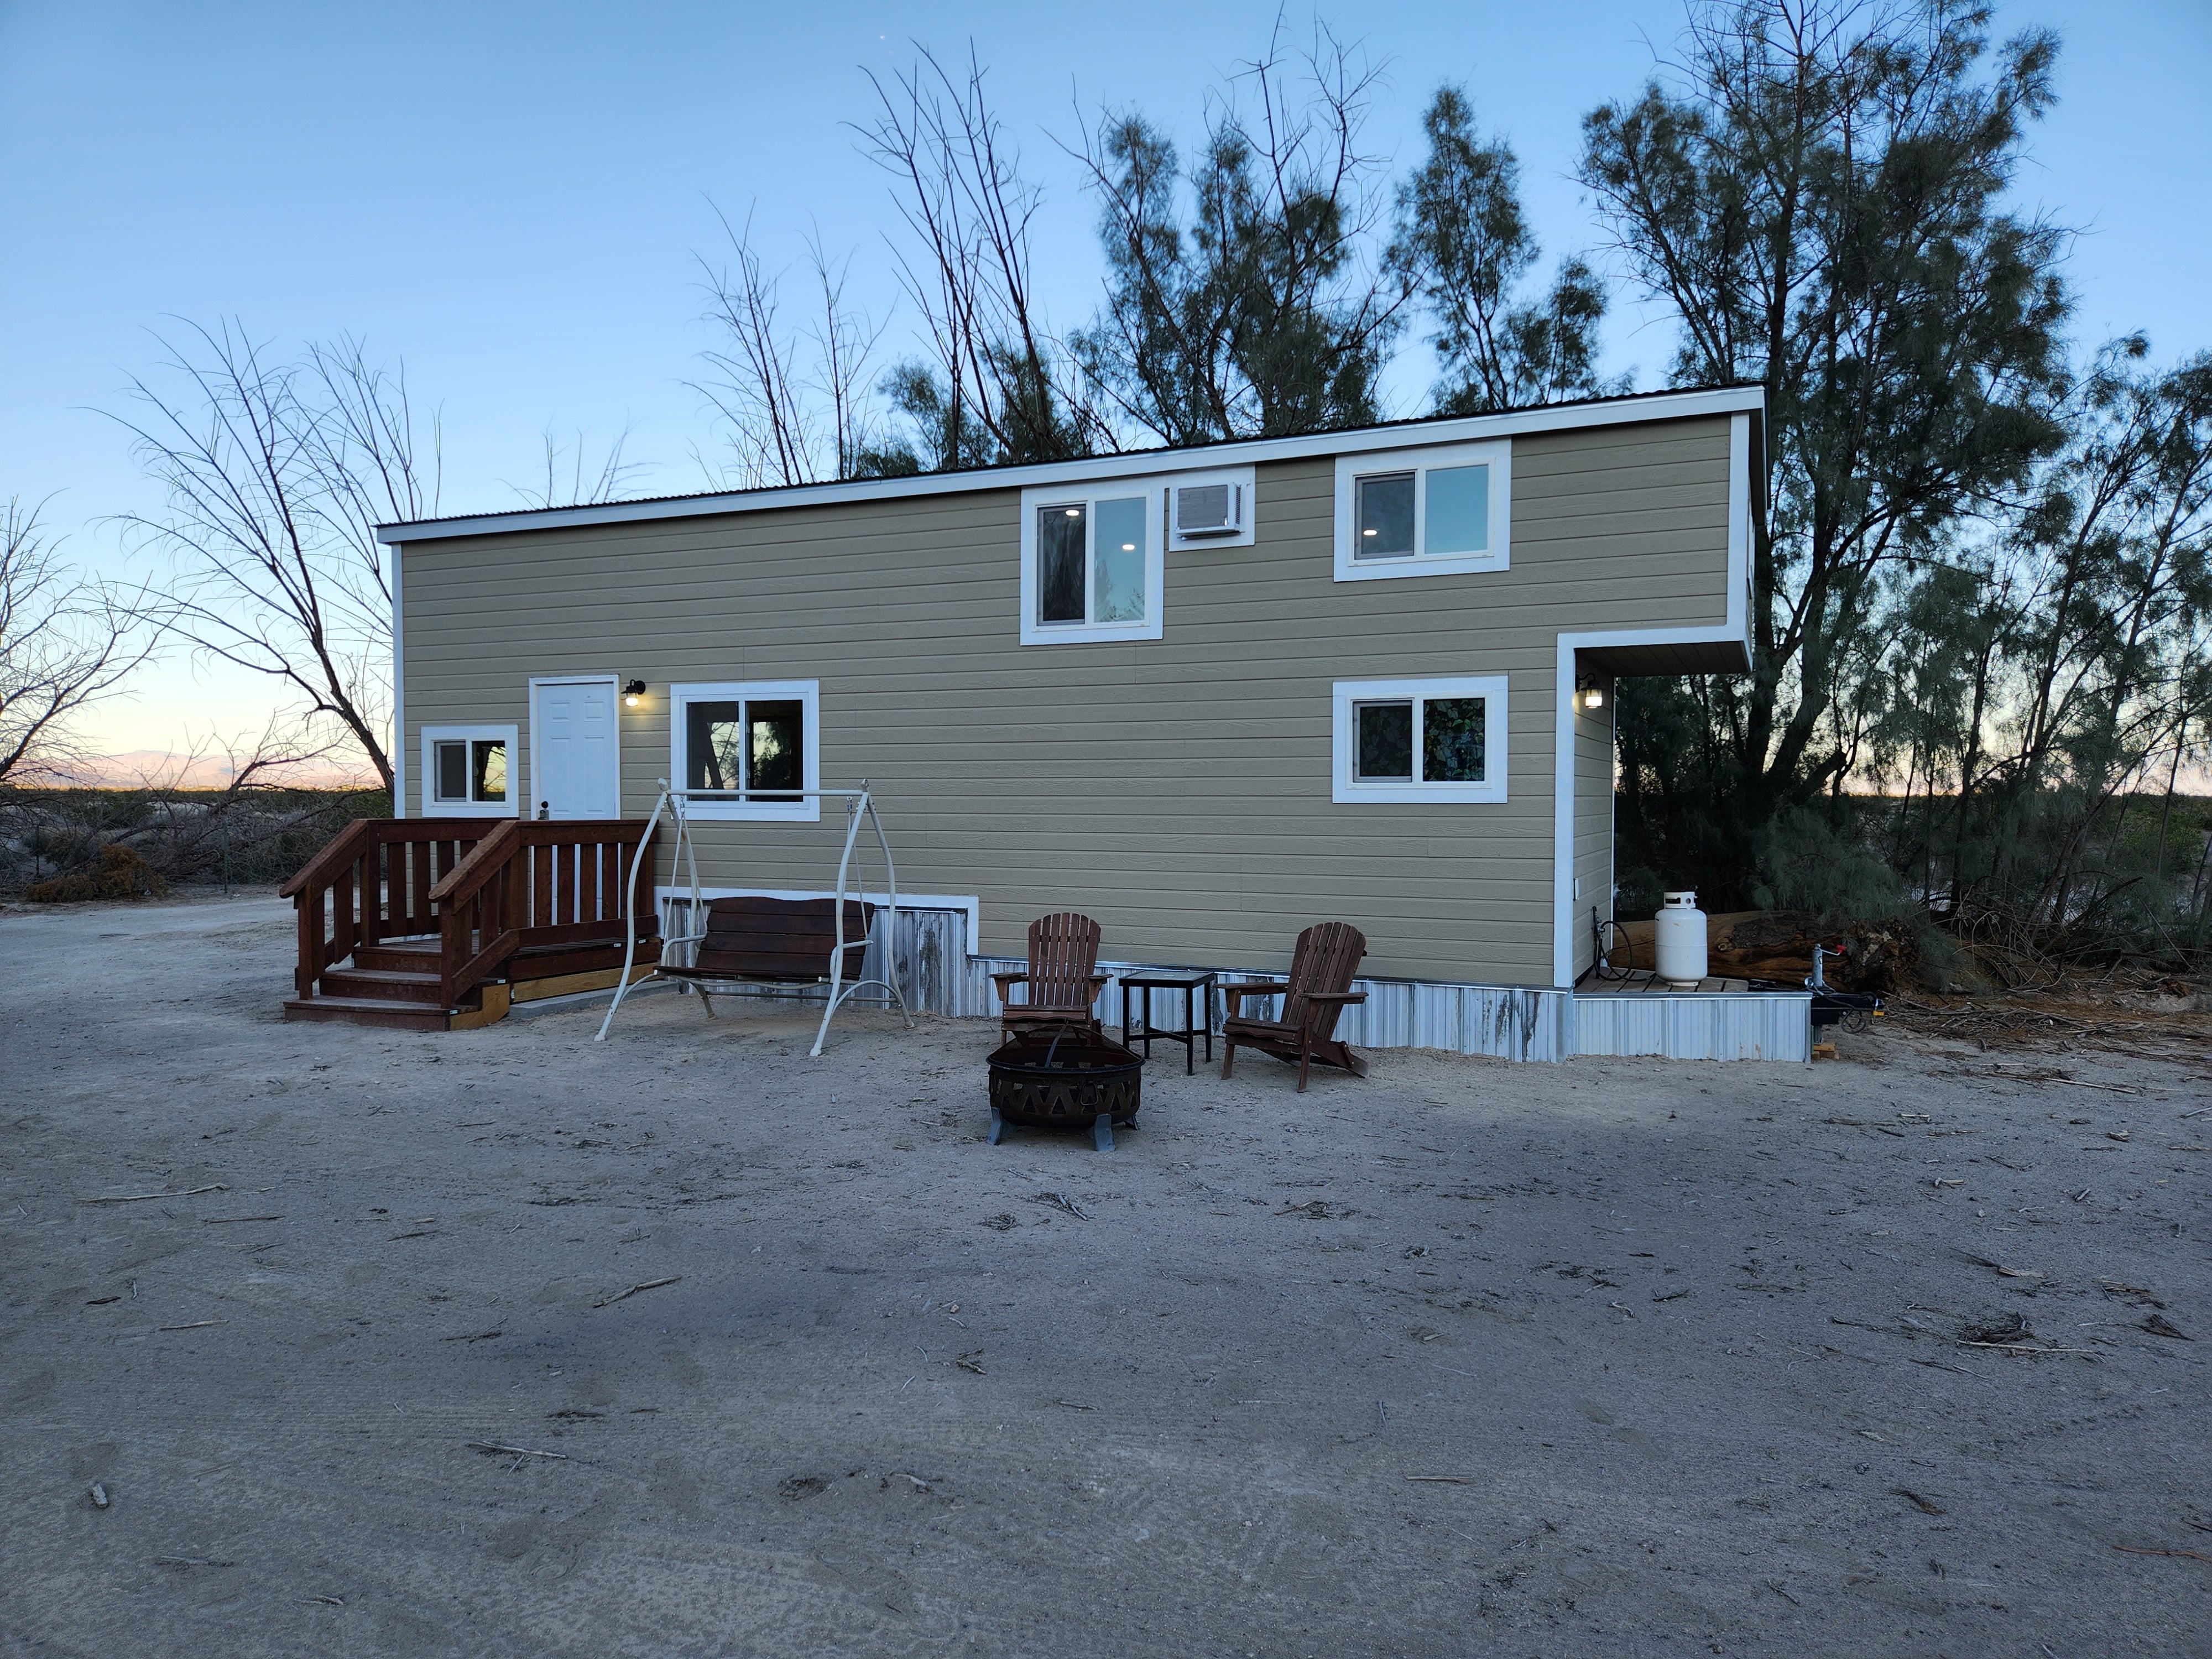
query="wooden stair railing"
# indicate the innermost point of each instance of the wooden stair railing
(537, 884)
(372, 882)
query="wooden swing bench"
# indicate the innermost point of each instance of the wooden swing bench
(788, 945)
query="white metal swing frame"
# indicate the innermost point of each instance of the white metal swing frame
(859, 803)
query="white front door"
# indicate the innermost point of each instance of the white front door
(576, 765)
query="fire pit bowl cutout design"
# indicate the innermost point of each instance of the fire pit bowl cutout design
(1065, 1078)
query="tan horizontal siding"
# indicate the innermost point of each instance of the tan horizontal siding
(1178, 789)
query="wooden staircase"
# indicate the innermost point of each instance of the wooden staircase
(394, 983)
(433, 925)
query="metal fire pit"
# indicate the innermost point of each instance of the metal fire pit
(1065, 1078)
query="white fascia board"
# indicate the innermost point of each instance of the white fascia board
(1737, 630)
(1665, 406)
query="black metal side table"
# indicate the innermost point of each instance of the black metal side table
(1197, 1013)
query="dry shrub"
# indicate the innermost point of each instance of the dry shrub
(121, 874)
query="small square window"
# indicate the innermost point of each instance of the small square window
(467, 771)
(1432, 740)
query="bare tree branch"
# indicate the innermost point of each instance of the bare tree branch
(65, 643)
(276, 475)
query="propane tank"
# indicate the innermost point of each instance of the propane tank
(1680, 931)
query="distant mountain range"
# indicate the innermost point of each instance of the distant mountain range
(158, 769)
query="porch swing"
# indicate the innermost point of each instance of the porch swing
(770, 944)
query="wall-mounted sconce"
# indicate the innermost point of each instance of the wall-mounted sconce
(1593, 690)
(634, 695)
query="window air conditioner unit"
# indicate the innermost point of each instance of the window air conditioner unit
(1208, 509)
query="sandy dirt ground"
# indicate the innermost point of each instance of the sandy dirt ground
(1900, 1354)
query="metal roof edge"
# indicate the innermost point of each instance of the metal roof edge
(1554, 418)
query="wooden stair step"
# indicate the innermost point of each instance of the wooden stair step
(403, 956)
(366, 1010)
(382, 985)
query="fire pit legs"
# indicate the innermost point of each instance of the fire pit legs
(1066, 1079)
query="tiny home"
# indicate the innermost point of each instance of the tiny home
(1206, 695)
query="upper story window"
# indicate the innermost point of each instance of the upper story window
(1419, 739)
(1423, 512)
(758, 740)
(465, 771)
(1091, 568)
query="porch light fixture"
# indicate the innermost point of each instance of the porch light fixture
(634, 695)
(1593, 690)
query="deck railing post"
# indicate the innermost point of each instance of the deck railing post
(309, 966)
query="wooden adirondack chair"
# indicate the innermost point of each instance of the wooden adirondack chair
(1314, 996)
(1063, 977)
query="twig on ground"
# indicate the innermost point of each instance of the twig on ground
(481, 1336)
(649, 1284)
(140, 1198)
(2001, 1270)
(2194, 1555)
(225, 1220)
(511, 1451)
(196, 1325)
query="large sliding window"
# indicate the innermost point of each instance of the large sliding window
(1419, 740)
(1424, 512)
(1090, 564)
(756, 740)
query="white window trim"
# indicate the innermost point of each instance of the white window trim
(1497, 456)
(474, 731)
(1350, 791)
(1154, 492)
(1242, 477)
(805, 692)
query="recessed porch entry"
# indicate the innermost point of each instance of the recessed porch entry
(576, 749)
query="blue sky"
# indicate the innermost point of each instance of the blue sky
(510, 196)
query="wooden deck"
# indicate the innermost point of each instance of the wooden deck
(1643, 982)
(443, 925)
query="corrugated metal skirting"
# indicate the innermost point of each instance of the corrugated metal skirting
(1752, 1026)
(1508, 1022)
